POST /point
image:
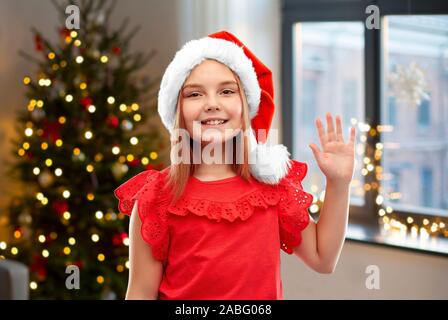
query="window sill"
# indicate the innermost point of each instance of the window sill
(373, 235)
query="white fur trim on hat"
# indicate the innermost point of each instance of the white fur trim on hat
(268, 163)
(192, 54)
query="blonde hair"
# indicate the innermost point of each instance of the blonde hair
(179, 173)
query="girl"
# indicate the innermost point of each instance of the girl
(213, 229)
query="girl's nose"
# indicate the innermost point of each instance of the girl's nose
(212, 105)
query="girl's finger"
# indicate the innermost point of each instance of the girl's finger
(352, 135)
(315, 150)
(321, 132)
(339, 136)
(330, 128)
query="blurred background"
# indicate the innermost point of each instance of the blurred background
(78, 117)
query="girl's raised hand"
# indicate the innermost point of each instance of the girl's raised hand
(337, 158)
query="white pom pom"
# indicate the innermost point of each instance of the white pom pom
(268, 163)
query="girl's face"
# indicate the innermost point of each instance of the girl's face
(211, 99)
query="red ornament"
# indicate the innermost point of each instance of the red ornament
(79, 264)
(60, 207)
(116, 50)
(64, 32)
(86, 102)
(149, 167)
(112, 121)
(38, 42)
(38, 266)
(134, 163)
(116, 239)
(51, 130)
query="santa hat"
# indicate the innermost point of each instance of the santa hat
(268, 163)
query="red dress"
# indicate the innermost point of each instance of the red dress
(222, 239)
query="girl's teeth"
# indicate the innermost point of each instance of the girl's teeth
(214, 122)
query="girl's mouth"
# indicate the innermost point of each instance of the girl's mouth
(213, 123)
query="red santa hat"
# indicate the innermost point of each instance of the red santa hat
(268, 163)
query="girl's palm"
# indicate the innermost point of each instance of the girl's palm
(336, 160)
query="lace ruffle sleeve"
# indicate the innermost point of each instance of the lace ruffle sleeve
(293, 207)
(146, 188)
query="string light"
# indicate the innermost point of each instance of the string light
(104, 59)
(79, 59)
(110, 100)
(100, 279)
(33, 285)
(17, 234)
(45, 253)
(115, 150)
(91, 108)
(28, 132)
(99, 215)
(26, 80)
(69, 98)
(123, 107)
(66, 194)
(88, 135)
(95, 237)
(133, 141)
(72, 241)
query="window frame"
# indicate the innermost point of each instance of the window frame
(294, 11)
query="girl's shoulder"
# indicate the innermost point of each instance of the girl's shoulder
(144, 184)
(145, 188)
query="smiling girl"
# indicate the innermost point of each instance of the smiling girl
(214, 229)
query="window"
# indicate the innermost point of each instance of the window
(426, 187)
(415, 87)
(329, 71)
(393, 82)
(423, 112)
(392, 111)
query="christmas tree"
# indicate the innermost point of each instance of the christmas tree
(78, 139)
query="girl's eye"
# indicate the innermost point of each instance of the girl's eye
(228, 91)
(194, 95)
